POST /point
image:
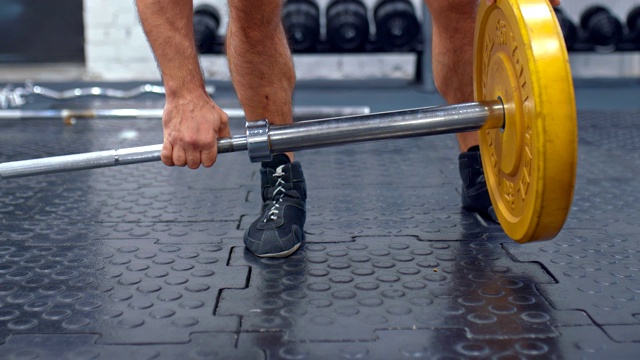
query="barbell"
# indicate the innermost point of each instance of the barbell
(524, 112)
(69, 116)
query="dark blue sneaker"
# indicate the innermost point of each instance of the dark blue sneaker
(278, 232)
(475, 195)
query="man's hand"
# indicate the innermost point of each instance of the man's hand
(553, 2)
(192, 124)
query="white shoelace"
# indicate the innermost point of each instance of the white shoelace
(274, 211)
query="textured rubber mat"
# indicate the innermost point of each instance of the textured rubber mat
(147, 262)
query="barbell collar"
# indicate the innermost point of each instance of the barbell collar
(258, 140)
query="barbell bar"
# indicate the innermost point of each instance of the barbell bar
(524, 113)
(262, 139)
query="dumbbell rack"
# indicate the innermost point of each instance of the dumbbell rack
(598, 28)
(581, 21)
(328, 26)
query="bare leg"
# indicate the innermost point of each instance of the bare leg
(260, 60)
(453, 28)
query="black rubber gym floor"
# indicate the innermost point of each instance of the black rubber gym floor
(147, 262)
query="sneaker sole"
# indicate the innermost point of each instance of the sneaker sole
(281, 254)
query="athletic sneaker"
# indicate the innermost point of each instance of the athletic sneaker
(475, 196)
(278, 232)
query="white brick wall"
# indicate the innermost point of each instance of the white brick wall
(116, 49)
(115, 45)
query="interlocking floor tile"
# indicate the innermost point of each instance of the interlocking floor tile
(126, 291)
(595, 273)
(347, 291)
(83, 233)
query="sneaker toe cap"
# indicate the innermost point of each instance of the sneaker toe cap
(272, 244)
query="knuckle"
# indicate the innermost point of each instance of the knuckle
(208, 161)
(167, 161)
(192, 140)
(165, 156)
(209, 158)
(224, 119)
(179, 160)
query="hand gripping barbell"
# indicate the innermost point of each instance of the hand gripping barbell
(524, 112)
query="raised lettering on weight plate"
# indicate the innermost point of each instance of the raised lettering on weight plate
(501, 32)
(527, 161)
(508, 191)
(488, 48)
(519, 66)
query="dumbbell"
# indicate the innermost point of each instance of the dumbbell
(602, 28)
(397, 28)
(633, 23)
(301, 22)
(569, 30)
(206, 21)
(347, 25)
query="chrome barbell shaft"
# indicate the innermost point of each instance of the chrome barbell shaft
(297, 136)
(100, 159)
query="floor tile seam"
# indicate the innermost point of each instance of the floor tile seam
(558, 308)
(228, 263)
(473, 337)
(602, 329)
(540, 290)
(596, 323)
(287, 340)
(376, 338)
(542, 266)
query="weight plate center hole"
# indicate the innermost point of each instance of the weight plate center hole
(504, 115)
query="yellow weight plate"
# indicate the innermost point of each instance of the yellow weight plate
(529, 163)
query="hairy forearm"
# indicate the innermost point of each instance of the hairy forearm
(168, 25)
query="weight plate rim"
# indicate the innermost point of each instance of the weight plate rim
(557, 167)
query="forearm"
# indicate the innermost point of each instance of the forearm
(168, 25)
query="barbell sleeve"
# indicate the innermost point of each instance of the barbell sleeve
(387, 125)
(262, 139)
